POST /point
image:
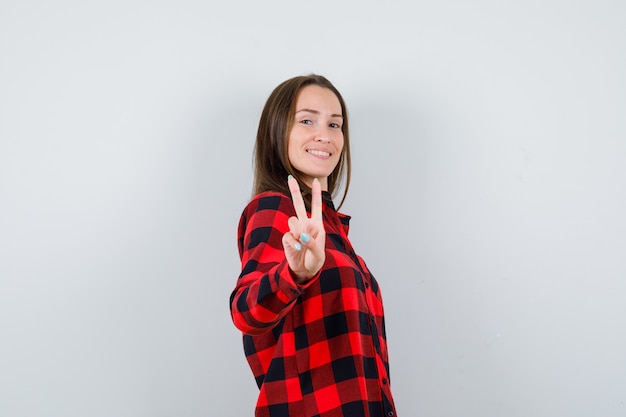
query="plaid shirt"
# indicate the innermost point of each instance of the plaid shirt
(317, 349)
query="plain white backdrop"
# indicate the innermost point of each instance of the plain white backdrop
(488, 197)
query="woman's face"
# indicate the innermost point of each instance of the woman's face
(316, 138)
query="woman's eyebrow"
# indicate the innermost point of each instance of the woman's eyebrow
(316, 112)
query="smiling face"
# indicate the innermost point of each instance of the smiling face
(316, 138)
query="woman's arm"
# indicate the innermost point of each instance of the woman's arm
(282, 251)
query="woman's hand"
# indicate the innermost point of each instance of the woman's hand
(305, 241)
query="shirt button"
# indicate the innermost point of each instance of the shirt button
(390, 414)
(367, 284)
(384, 381)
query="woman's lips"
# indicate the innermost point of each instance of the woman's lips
(318, 153)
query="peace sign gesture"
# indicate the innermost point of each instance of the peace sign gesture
(305, 242)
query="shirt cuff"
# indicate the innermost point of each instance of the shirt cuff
(288, 284)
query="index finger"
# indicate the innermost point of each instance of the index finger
(316, 200)
(296, 196)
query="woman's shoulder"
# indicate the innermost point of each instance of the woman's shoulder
(266, 211)
(268, 200)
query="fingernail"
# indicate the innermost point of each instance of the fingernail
(297, 246)
(315, 179)
(290, 177)
(304, 237)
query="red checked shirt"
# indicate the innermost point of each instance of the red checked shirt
(317, 349)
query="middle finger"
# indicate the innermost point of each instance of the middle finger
(296, 197)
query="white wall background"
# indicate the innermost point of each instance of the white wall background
(489, 194)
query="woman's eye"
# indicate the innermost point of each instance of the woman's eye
(335, 125)
(306, 122)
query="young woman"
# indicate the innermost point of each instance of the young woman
(310, 311)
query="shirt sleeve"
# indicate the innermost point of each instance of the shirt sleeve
(265, 290)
